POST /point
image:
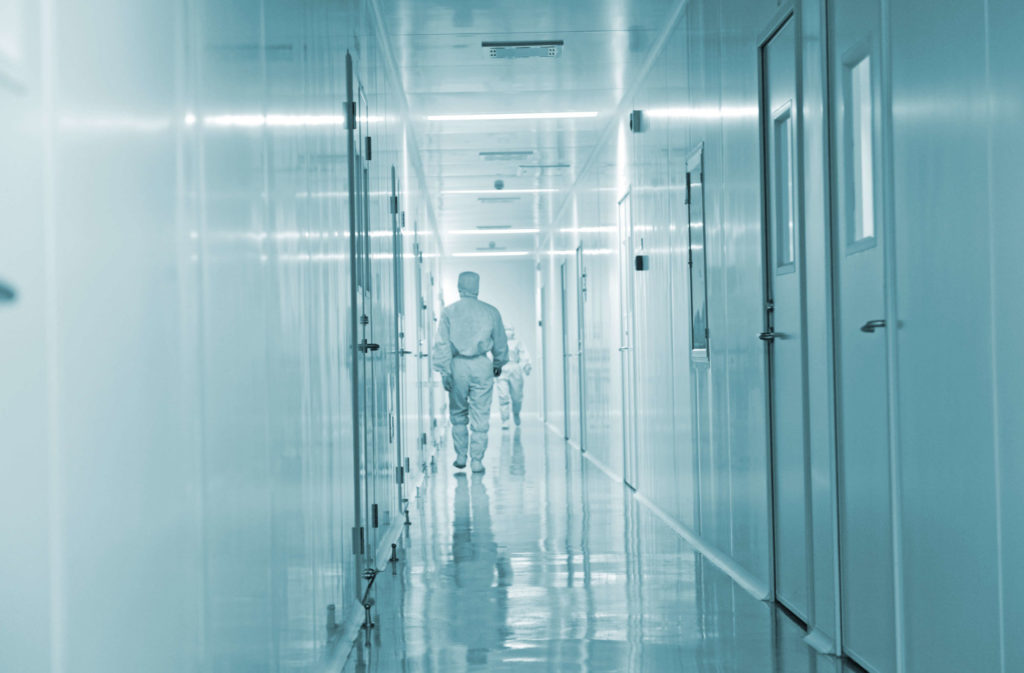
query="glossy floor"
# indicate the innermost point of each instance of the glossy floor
(545, 563)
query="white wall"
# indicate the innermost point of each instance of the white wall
(956, 104)
(176, 442)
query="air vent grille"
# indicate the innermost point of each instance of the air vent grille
(524, 49)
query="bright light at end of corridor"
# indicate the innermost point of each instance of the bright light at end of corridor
(505, 116)
(502, 253)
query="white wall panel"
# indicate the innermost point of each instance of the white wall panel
(183, 453)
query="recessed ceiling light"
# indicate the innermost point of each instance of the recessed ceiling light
(542, 190)
(491, 231)
(502, 116)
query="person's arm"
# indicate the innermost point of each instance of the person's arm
(499, 351)
(442, 356)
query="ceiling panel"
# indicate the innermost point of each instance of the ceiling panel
(445, 71)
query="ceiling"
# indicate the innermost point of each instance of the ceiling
(446, 71)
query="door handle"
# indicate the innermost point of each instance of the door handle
(623, 349)
(870, 326)
(405, 352)
(364, 347)
(768, 336)
(7, 293)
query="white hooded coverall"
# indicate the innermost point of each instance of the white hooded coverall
(510, 384)
(467, 331)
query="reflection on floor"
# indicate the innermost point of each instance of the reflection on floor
(544, 563)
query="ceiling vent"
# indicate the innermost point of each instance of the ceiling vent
(524, 49)
(506, 156)
(492, 246)
(537, 170)
(497, 199)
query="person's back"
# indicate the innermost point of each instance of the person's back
(470, 326)
(467, 331)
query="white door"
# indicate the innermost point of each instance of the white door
(865, 519)
(581, 368)
(784, 337)
(627, 329)
(566, 354)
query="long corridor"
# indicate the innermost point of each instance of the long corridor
(546, 563)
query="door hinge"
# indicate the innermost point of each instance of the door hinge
(688, 178)
(423, 439)
(400, 475)
(364, 320)
(394, 205)
(358, 540)
(375, 515)
(369, 148)
(407, 463)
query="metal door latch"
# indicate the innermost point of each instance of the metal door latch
(364, 347)
(870, 326)
(767, 336)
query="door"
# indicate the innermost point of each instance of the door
(865, 510)
(563, 281)
(784, 322)
(401, 352)
(360, 316)
(627, 327)
(424, 412)
(581, 368)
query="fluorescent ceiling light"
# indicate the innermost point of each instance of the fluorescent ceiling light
(503, 116)
(498, 192)
(274, 120)
(490, 232)
(587, 230)
(507, 253)
(727, 112)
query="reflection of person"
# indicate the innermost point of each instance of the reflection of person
(476, 561)
(467, 331)
(510, 384)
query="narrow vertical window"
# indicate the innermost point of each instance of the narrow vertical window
(860, 152)
(783, 182)
(697, 256)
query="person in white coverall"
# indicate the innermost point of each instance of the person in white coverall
(510, 383)
(467, 331)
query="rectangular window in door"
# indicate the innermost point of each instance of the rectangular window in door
(697, 256)
(860, 206)
(782, 188)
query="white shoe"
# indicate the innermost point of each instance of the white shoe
(460, 462)
(477, 466)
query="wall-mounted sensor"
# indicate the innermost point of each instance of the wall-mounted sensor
(636, 121)
(643, 262)
(499, 184)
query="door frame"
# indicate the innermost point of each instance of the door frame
(562, 272)
(888, 241)
(786, 14)
(581, 366)
(627, 293)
